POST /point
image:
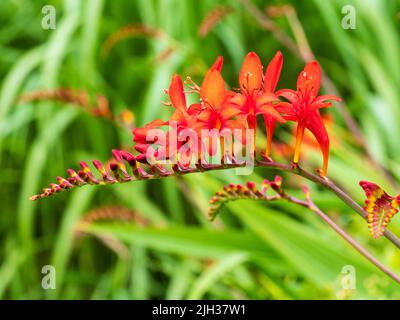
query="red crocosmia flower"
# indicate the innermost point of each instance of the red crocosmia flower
(182, 118)
(380, 207)
(257, 95)
(178, 99)
(216, 111)
(310, 141)
(141, 138)
(140, 134)
(185, 118)
(271, 78)
(304, 109)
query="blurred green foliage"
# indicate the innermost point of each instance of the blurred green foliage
(252, 251)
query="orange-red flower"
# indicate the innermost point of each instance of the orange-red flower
(227, 114)
(258, 94)
(216, 112)
(182, 118)
(221, 110)
(304, 109)
(271, 78)
(140, 134)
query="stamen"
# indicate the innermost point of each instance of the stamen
(192, 85)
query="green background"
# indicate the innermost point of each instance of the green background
(252, 251)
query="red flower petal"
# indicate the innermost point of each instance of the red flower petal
(140, 133)
(195, 108)
(250, 76)
(288, 94)
(273, 72)
(316, 125)
(212, 90)
(237, 100)
(176, 94)
(266, 98)
(308, 82)
(320, 101)
(218, 64)
(270, 128)
(229, 112)
(141, 147)
(204, 115)
(269, 110)
(286, 110)
(178, 116)
(324, 97)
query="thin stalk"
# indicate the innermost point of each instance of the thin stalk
(310, 205)
(331, 186)
(250, 191)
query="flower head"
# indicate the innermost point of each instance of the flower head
(182, 118)
(221, 112)
(257, 93)
(216, 111)
(303, 108)
(271, 78)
